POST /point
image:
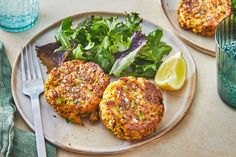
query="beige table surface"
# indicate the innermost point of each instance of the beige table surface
(209, 129)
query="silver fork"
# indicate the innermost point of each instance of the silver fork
(33, 87)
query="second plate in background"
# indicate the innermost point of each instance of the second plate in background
(204, 44)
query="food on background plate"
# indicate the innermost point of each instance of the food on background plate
(132, 108)
(75, 90)
(202, 16)
(172, 73)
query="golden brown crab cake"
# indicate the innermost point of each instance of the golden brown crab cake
(75, 90)
(132, 108)
(202, 16)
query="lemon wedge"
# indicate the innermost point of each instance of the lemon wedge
(172, 73)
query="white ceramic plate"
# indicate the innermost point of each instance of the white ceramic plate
(96, 139)
(204, 44)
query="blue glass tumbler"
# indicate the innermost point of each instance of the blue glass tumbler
(18, 15)
(226, 59)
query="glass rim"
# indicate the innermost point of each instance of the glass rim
(233, 13)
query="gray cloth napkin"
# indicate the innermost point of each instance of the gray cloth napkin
(14, 142)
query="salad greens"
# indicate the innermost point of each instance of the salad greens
(118, 46)
(97, 39)
(148, 58)
(127, 57)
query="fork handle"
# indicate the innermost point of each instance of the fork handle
(38, 127)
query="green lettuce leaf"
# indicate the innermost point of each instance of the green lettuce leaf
(64, 33)
(97, 38)
(125, 62)
(143, 61)
(150, 57)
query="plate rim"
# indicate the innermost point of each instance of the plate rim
(184, 38)
(118, 150)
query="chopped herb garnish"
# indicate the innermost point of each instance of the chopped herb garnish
(68, 121)
(133, 104)
(140, 115)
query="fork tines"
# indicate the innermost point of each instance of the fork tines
(30, 64)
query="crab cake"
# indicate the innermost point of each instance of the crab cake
(75, 90)
(202, 16)
(132, 108)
